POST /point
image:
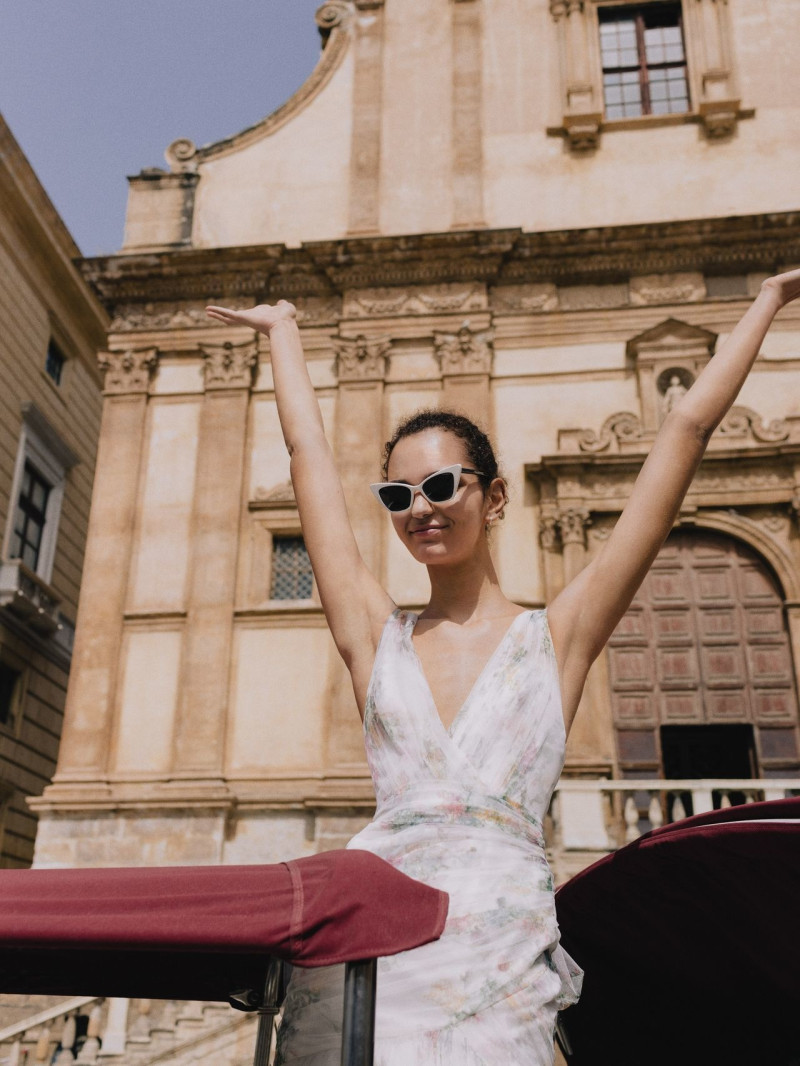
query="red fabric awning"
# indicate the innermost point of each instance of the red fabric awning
(203, 932)
(689, 938)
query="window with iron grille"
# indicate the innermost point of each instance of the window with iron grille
(292, 578)
(30, 517)
(644, 60)
(54, 363)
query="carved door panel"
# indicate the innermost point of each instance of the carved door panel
(704, 642)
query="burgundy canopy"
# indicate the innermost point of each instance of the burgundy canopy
(203, 932)
(690, 939)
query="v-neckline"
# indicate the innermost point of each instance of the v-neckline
(449, 730)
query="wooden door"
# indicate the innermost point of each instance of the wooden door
(704, 643)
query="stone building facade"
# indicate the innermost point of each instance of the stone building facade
(467, 213)
(50, 408)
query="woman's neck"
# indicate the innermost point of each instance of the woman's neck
(465, 592)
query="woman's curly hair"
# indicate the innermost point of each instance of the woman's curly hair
(479, 447)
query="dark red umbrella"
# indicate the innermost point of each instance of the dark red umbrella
(214, 932)
(690, 942)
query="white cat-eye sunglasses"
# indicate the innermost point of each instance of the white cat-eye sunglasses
(439, 487)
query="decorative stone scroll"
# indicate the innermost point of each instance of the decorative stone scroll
(182, 156)
(128, 371)
(623, 426)
(228, 365)
(744, 422)
(464, 352)
(361, 359)
(333, 13)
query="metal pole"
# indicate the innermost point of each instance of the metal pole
(358, 1023)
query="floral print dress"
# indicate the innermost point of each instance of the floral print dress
(460, 809)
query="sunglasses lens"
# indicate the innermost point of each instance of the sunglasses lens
(395, 497)
(440, 487)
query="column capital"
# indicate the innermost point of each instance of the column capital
(128, 371)
(572, 523)
(361, 359)
(464, 352)
(229, 366)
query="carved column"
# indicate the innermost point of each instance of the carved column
(583, 110)
(361, 366)
(98, 637)
(572, 523)
(465, 359)
(202, 707)
(365, 157)
(467, 114)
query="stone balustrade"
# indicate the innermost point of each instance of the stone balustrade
(603, 815)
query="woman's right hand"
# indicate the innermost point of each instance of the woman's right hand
(263, 318)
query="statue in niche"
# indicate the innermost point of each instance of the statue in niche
(673, 384)
(675, 392)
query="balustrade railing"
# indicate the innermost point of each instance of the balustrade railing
(603, 815)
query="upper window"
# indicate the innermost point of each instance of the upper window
(55, 362)
(644, 60)
(292, 578)
(30, 517)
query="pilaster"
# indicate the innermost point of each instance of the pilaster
(465, 359)
(98, 637)
(361, 365)
(199, 731)
(365, 158)
(467, 115)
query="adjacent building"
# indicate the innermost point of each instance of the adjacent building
(50, 409)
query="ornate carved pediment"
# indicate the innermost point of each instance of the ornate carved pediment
(621, 428)
(229, 366)
(361, 359)
(464, 352)
(674, 337)
(623, 433)
(128, 371)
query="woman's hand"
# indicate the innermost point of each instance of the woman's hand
(262, 318)
(784, 287)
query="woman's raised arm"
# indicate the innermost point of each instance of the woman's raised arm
(355, 604)
(585, 614)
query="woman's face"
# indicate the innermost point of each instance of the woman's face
(438, 532)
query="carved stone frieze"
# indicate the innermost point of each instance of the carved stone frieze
(464, 352)
(362, 359)
(524, 298)
(128, 371)
(591, 297)
(229, 366)
(390, 300)
(667, 288)
(279, 496)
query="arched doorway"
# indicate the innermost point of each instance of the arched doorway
(702, 680)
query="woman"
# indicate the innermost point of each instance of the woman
(466, 706)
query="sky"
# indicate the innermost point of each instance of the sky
(95, 90)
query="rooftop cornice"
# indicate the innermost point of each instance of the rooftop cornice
(738, 245)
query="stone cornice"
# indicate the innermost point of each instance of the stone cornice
(739, 245)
